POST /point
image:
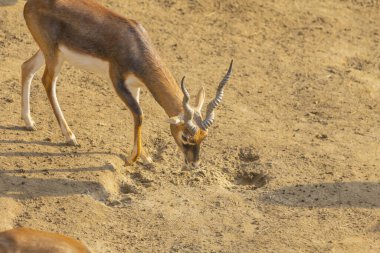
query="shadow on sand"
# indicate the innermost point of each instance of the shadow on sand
(7, 2)
(41, 143)
(16, 184)
(26, 184)
(58, 154)
(327, 195)
(51, 154)
(14, 128)
(44, 143)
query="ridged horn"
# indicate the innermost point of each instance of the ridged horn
(210, 115)
(188, 110)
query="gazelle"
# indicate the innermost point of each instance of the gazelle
(94, 38)
(24, 240)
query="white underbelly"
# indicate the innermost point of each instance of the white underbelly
(85, 61)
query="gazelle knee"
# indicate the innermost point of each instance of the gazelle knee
(31, 66)
(139, 119)
(25, 68)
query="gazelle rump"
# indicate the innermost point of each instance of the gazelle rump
(25, 240)
(89, 36)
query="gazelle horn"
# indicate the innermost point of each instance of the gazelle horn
(210, 115)
(189, 112)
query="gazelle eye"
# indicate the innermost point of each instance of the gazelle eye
(184, 139)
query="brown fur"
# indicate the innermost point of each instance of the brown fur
(121, 42)
(24, 240)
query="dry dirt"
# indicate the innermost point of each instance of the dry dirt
(292, 164)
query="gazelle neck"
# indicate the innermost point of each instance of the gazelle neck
(164, 88)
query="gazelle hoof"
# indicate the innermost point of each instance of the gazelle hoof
(147, 160)
(31, 127)
(131, 160)
(72, 142)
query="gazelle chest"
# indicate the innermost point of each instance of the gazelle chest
(84, 61)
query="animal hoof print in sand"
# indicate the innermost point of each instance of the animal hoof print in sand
(252, 179)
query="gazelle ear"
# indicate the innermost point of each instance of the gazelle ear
(175, 120)
(200, 99)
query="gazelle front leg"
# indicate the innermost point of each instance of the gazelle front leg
(129, 92)
(49, 80)
(28, 70)
(133, 85)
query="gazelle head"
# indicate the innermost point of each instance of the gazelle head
(189, 129)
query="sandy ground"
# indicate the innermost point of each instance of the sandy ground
(302, 108)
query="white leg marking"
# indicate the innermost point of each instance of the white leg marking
(133, 84)
(70, 137)
(29, 69)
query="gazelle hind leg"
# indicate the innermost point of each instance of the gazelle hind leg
(28, 70)
(49, 80)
